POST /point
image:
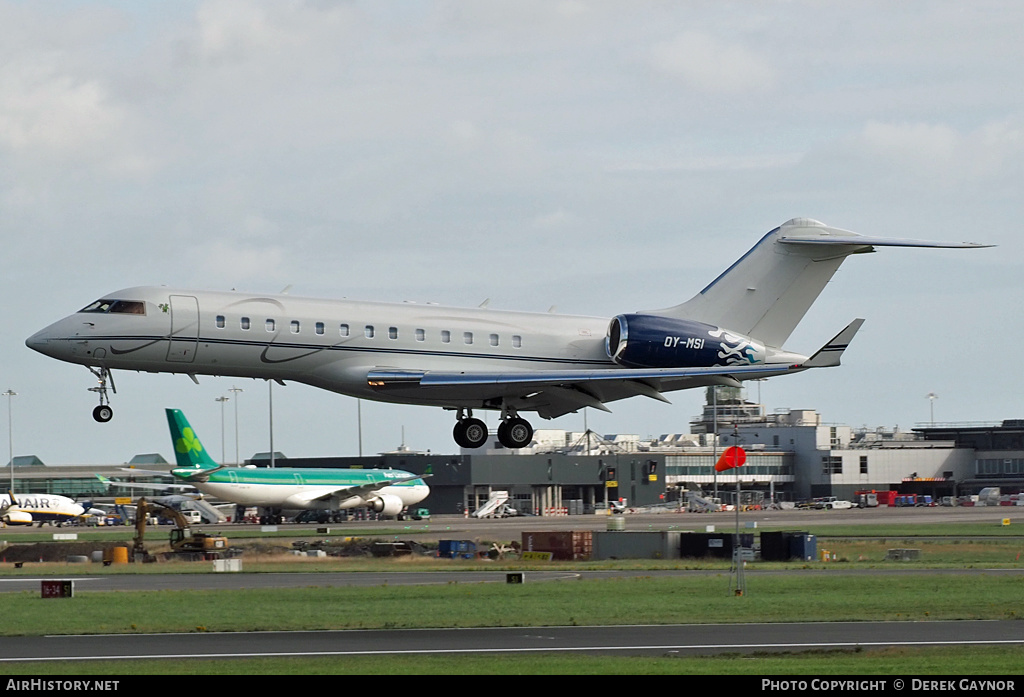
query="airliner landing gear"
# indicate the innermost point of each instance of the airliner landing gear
(469, 432)
(515, 432)
(103, 413)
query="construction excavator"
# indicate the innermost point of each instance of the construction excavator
(185, 544)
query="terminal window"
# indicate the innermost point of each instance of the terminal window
(832, 464)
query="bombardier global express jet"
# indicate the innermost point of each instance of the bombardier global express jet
(466, 359)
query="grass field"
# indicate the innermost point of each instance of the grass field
(794, 596)
(806, 592)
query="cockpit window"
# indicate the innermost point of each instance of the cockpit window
(123, 307)
(98, 306)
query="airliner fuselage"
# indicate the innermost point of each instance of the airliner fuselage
(477, 358)
(331, 344)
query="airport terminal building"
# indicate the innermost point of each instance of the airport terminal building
(791, 456)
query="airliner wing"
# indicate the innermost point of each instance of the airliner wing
(553, 393)
(345, 492)
(141, 485)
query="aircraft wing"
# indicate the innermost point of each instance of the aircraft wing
(346, 492)
(141, 485)
(553, 393)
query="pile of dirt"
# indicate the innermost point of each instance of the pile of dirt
(54, 551)
(261, 549)
(359, 547)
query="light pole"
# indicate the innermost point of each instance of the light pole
(714, 436)
(222, 399)
(931, 403)
(236, 390)
(10, 437)
(270, 392)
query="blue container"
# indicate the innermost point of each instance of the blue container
(803, 547)
(456, 549)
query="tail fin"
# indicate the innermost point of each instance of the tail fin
(769, 289)
(188, 450)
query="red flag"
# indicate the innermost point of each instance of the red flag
(733, 456)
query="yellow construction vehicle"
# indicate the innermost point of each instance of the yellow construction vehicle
(185, 544)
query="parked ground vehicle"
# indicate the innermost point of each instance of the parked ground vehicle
(415, 514)
(867, 499)
(832, 503)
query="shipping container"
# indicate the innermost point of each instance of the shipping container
(565, 545)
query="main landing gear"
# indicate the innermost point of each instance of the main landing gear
(469, 432)
(103, 413)
(513, 433)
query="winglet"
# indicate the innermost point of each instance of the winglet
(828, 355)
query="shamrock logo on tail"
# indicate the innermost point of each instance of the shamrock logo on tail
(188, 443)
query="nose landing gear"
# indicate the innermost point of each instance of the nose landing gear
(103, 413)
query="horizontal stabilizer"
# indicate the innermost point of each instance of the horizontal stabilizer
(151, 486)
(828, 355)
(768, 290)
(854, 239)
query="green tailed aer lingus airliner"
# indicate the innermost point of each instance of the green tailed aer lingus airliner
(385, 491)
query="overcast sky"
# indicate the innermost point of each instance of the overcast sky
(603, 157)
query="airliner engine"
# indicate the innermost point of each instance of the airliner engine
(16, 517)
(388, 504)
(651, 341)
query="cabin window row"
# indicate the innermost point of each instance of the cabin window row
(370, 331)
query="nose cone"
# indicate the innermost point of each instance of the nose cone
(52, 341)
(39, 341)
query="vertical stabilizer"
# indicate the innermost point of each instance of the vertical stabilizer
(188, 450)
(768, 291)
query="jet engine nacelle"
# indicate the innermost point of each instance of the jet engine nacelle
(18, 518)
(388, 504)
(651, 341)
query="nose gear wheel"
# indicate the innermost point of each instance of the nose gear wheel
(103, 413)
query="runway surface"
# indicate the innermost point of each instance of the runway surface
(669, 640)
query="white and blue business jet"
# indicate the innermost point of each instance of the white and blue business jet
(465, 359)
